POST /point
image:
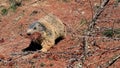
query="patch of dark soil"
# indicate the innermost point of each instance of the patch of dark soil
(33, 47)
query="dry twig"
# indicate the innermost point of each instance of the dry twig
(97, 14)
(91, 27)
(110, 62)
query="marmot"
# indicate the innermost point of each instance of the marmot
(50, 28)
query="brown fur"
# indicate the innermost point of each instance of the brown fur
(50, 28)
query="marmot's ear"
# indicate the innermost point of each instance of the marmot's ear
(42, 27)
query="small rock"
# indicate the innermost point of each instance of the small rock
(2, 57)
(9, 59)
(11, 63)
(2, 40)
(36, 55)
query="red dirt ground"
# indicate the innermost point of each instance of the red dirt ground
(69, 52)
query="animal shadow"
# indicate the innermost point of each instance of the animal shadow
(33, 47)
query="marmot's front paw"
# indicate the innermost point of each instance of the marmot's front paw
(43, 50)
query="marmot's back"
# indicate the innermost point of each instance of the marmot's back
(55, 22)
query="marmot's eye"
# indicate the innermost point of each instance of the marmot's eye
(34, 28)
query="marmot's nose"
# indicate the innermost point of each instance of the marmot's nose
(28, 33)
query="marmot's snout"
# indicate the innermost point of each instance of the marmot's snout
(29, 32)
(33, 28)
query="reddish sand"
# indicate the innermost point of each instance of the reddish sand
(68, 53)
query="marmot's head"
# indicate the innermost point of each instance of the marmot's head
(36, 27)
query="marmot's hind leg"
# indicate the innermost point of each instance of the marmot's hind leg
(47, 44)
